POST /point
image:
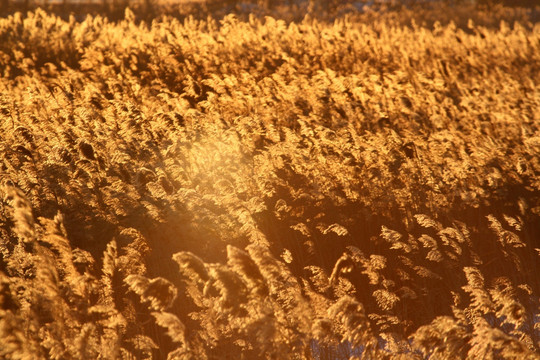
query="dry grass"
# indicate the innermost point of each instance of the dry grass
(261, 189)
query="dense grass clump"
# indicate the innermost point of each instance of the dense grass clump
(261, 188)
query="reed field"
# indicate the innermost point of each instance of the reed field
(364, 185)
